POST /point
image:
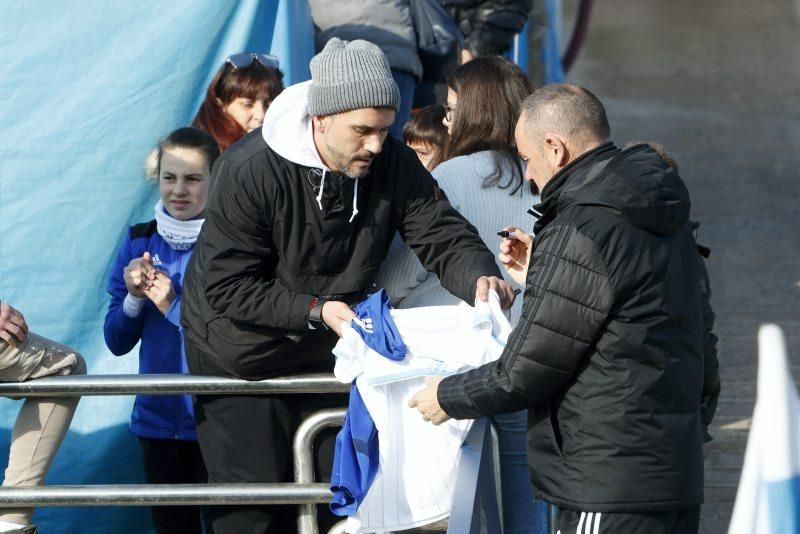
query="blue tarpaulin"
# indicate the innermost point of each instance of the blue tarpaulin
(87, 89)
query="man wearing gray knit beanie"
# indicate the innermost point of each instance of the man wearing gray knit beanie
(300, 218)
(352, 93)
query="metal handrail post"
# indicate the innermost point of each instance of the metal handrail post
(496, 467)
(303, 449)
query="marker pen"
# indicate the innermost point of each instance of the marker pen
(507, 234)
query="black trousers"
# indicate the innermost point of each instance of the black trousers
(174, 462)
(685, 521)
(248, 439)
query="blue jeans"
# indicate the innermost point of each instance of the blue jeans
(405, 81)
(521, 515)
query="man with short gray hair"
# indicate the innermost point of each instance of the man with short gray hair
(300, 216)
(608, 354)
(570, 111)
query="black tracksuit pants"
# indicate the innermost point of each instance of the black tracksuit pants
(172, 461)
(685, 521)
(248, 438)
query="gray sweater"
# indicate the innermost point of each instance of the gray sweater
(489, 209)
(386, 23)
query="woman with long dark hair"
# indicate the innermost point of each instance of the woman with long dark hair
(481, 173)
(238, 97)
(482, 177)
(483, 100)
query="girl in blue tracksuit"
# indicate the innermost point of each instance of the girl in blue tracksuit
(145, 287)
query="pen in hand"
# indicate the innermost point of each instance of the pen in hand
(507, 234)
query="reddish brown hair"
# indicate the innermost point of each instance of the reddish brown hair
(255, 82)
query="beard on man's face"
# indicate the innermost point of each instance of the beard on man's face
(355, 174)
(354, 167)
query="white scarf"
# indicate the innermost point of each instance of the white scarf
(180, 235)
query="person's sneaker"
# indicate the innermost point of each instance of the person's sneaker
(16, 528)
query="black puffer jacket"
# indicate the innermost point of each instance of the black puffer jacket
(608, 354)
(489, 26)
(711, 382)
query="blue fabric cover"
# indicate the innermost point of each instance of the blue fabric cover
(355, 460)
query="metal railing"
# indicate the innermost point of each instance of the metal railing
(168, 384)
(304, 461)
(163, 494)
(303, 491)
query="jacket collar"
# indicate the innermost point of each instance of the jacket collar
(547, 209)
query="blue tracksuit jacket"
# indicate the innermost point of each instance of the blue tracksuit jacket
(161, 351)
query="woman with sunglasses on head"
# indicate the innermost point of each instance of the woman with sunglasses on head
(238, 97)
(482, 177)
(145, 285)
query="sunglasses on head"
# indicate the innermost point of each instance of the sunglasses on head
(245, 59)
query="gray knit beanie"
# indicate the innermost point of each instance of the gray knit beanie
(350, 75)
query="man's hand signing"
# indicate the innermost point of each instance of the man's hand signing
(426, 402)
(515, 254)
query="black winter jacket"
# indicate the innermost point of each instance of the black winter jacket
(266, 251)
(489, 26)
(608, 353)
(711, 382)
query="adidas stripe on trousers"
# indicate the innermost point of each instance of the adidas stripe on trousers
(685, 521)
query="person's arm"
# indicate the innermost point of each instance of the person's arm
(401, 273)
(443, 240)
(494, 25)
(240, 257)
(122, 328)
(567, 303)
(711, 381)
(13, 328)
(515, 253)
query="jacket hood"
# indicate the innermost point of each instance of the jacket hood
(637, 185)
(288, 131)
(287, 127)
